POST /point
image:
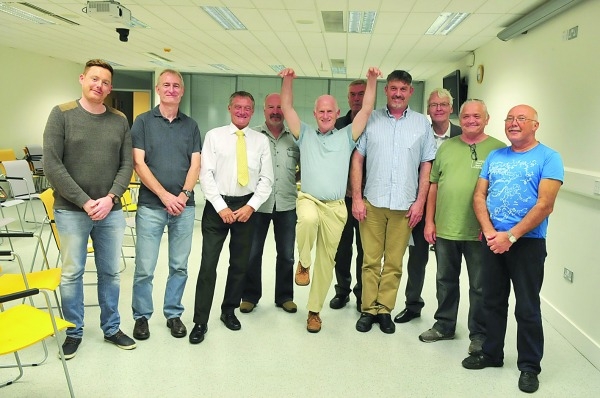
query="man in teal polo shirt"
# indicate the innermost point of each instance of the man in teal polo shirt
(324, 155)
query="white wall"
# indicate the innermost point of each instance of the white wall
(560, 79)
(31, 86)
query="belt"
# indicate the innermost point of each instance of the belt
(236, 199)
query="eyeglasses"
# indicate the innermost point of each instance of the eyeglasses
(472, 147)
(519, 119)
(434, 105)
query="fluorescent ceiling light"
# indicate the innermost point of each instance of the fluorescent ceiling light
(158, 57)
(224, 17)
(446, 23)
(16, 12)
(161, 64)
(220, 66)
(277, 68)
(361, 21)
(49, 13)
(338, 70)
(115, 64)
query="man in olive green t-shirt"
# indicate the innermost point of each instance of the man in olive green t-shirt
(451, 223)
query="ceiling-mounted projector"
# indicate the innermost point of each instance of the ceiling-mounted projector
(108, 11)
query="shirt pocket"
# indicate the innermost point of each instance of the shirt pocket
(293, 158)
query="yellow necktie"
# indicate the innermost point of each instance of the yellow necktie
(242, 159)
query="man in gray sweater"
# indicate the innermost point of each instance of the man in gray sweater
(87, 160)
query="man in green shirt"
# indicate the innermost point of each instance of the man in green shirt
(451, 224)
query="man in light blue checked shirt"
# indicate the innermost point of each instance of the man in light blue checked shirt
(399, 147)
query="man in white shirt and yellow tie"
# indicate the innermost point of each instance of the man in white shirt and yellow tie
(236, 177)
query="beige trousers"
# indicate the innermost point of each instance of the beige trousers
(320, 223)
(384, 235)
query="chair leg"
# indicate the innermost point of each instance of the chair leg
(9, 382)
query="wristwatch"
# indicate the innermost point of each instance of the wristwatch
(187, 193)
(116, 199)
(511, 237)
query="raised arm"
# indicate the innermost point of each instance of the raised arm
(360, 120)
(287, 100)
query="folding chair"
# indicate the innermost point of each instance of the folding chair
(34, 156)
(24, 325)
(21, 183)
(48, 280)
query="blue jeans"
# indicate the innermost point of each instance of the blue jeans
(523, 265)
(150, 224)
(284, 229)
(74, 229)
(449, 259)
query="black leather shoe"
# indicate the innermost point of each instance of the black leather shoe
(231, 321)
(339, 301)
(385, 323)
(480, 361)
(406, 316)
(177, 327)
(365, 322)
(141, 331)
(528, 382)
(198, 332)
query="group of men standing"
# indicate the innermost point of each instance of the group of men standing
(371, 173)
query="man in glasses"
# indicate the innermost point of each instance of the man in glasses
(513, 199)
(439, 107)
(451, 224)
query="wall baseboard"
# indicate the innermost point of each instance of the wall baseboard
(578, 339)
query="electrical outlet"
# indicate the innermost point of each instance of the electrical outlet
(568, 274)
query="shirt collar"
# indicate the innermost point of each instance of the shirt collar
(387, 110)
(156, 113)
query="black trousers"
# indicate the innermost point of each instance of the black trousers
(418, 256)
(343, 257)
(214, 232)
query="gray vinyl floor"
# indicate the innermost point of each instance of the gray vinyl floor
(274, 356)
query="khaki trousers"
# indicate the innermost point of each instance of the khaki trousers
(384, 234)
(320, 223)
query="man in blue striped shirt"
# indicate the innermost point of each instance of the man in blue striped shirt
(399, 146)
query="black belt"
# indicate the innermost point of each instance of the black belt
(236, 199)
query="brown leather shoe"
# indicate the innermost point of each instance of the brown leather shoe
(288, 306)
(246, 307)
(302, 277)
(313, 323)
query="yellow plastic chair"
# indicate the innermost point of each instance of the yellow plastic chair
(48, 280)
(23, 325)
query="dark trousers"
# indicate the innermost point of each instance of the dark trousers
(449, 254)
(418, 256)
(343, 257)
(523, 265)
(284, 229)
(214, 232)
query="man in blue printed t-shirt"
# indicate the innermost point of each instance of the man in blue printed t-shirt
(513, 198)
